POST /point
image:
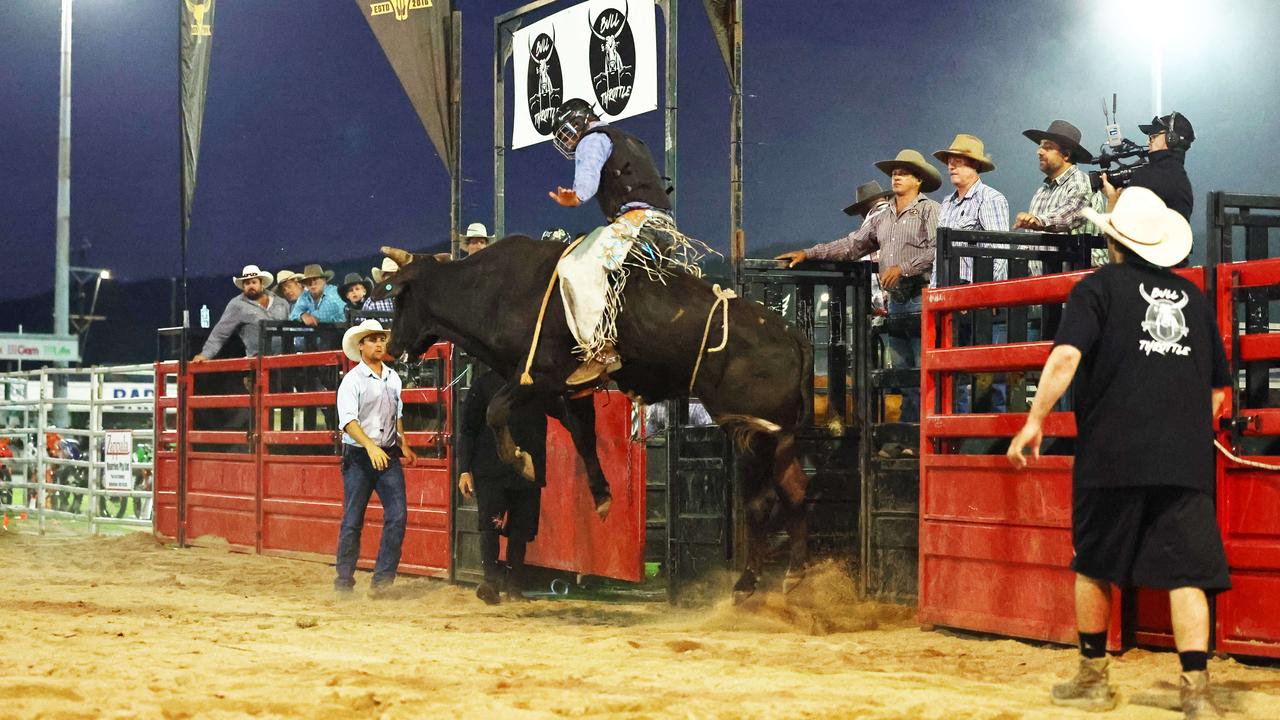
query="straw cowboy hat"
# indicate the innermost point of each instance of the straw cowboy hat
(250, 272)
(315, 271)
(969, 146)
(865, 196)
(477, 230)
(913, 161)
(1066, 135)
(283, 277)
(352, 337)
(388, 266)
(354, 279)
(1142, 223)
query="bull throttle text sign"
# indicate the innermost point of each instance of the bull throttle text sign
(118, 471)
(602, 51)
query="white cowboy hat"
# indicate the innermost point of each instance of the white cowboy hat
(477, 230)
(1142, 223)
(352, 337)
(251, 271)
(283, 277)
(388, 266)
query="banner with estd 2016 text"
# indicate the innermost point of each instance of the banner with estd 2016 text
(602, 51)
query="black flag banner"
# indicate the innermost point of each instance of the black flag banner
(196, 31)
(720, 13)
(415, 35)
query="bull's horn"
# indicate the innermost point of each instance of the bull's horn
(402, 257)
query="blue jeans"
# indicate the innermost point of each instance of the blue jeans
(359, 481)
(964, 393)
(905, 353)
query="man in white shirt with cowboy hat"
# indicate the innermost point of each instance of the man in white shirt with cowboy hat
(370, 414)
(1152, 376)
(244, 312)
(476, 239)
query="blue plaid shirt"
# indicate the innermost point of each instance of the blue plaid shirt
(982, 208)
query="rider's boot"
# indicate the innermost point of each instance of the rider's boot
(606, 360)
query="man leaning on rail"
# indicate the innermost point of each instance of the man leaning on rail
(1150, 374)
(244, 312)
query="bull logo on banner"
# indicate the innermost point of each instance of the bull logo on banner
(545, 84)
(612, 58)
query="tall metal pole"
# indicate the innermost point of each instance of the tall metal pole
(501, 49)
(1157, 77)
(671, 158)
(183, 350)
(62, 252)
(455, 111)
(737, 236)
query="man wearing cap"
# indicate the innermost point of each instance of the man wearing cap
(354, 289)
(476, 239)
(1170, 138)
(1058, 204)
(381, 275)
(1152, 375)
(370, 414)
(320, 303)
(905, 234)
(868, 199)
(244, 312)
(289, 286)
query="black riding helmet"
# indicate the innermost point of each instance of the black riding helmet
(572, 119)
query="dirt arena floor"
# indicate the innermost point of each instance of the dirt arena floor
(127, 628)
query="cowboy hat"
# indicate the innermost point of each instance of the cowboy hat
(315, 271)
(1066, 135)
(914, 162)
(352, 337)
(1142, 223)
(354, 279)
(865, 196)
(477, 230)
(251, 271)
(283, 277)
(969, 146)
(388, 266)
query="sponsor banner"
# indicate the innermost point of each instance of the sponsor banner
(117, 473)
(196, 31)
(42, 348)
(603, 51)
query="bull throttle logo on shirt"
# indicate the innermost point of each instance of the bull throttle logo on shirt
(612, 58)
(545, 84)
(1164, 321)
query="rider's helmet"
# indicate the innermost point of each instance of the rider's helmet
(572, 119)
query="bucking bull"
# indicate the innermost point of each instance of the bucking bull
(757, 388)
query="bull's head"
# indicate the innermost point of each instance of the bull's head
(412, 330)
(626, 10)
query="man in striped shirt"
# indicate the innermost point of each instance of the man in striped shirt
(905, 233)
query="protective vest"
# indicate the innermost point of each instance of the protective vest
(628, 175)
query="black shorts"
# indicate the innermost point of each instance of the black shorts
(510, 504)
(1159, 537)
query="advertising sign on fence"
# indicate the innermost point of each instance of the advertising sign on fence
(118, 471)
(602, 51)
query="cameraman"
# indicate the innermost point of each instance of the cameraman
(1170, 137)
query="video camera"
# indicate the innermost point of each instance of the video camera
(1118, 149)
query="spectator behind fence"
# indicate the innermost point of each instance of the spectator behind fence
(320, 303)
(381, 275)
(476, 239)
(1059, 203)
(243, 313)
(354, 289)
(289, 286)
(1152, 375)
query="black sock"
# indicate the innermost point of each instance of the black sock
(1193, 660)
(1093, 645)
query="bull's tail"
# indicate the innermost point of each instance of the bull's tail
(743, 428)
(805, 416)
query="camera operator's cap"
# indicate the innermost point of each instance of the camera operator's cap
(912, 161)
(353, 279)
(250, 272)
(1066, 135)
(865, 196)
(969, 146)
(1142, 223)
(388, 266)
(352, 337)
(477, 230)
(1176, 121)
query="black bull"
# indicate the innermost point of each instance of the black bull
(757, 388)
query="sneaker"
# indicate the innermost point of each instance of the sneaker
(1090, 689)
(1193, 690)
(488, 592)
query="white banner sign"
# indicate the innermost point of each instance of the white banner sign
(118, 473)
(44, 348)
(602, 51)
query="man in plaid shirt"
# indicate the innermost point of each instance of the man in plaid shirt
(1058, 204)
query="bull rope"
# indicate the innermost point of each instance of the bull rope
(1247, 463)
(526, 378)
(722, 300)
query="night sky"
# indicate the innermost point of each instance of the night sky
(312, 152)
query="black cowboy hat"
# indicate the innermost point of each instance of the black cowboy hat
(353, 279)
(1066, 135)
(865, 196)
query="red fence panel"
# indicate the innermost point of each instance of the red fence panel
(165, 504)
(570, 536)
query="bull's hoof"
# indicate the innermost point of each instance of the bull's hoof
(602, 508)
(792, 580)
(741, 596)
(745, 587)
